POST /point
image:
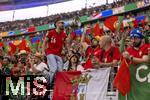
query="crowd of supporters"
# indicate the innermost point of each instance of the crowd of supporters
(23, 24)
(79, 53)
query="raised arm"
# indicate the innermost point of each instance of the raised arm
(44, 45)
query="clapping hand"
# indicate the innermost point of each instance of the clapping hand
(95, 62)
(126, 55)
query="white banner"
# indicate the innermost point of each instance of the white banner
(96, 87)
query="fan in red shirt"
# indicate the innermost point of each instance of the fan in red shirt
(109, 55)
(54, 42)
(92, 50)
(138, 53)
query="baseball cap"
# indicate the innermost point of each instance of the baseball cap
(136, 33)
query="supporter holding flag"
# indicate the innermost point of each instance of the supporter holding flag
(89, 49)
(138, 62)
(138, 53)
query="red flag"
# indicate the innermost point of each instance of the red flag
(23, 46)
(89, 30)
(143, 22)
(97, 30)
(12, 49)
(1, 44)
(112, 23)
(73, 35)
(122, 79)
(135, 23)
(87, 40)
(64, 89)
(31, 29)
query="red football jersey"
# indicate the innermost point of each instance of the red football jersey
(138, 53)
(56, 42)
(111, 54)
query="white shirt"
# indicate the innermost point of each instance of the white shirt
(42, 67)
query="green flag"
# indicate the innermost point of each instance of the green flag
(43, 27)
(131, 6)
(84, 18)
(140, 83)
(122, 43)
(28, 42)
(40, 46)
(5, 48)
(131, 24)
(17, 32)
(120, 19)
(35, 47)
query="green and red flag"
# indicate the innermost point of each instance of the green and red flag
(114, 23)
(140, 83)
(133, 24)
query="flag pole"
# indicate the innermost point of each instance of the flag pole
(126, 97)
(47, 10)
(13, 17)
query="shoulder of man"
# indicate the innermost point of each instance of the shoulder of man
(129, 48)
(144, 46)
(50, 32)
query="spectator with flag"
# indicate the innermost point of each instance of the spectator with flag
(129, 79)
(138, 53)
(89, 49)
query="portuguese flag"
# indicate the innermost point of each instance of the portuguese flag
(140, 83)
(64, 88)
(114, 23)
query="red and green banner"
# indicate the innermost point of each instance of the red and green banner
(140, 83)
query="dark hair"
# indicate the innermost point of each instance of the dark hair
(57, 20)
(7, 58)
(93, 39)
(1, 57)
(74, 55)
(45, 59)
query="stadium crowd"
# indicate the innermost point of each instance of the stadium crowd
(23, 24)
(72, 53)
(68, 52)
